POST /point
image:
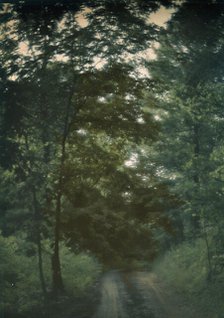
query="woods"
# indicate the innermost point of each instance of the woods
(111, 150)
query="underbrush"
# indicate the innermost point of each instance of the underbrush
(185, 270)
(20, 288)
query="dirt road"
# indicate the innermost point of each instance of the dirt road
(138, 295)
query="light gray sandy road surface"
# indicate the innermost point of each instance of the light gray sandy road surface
(138, 295)
(113, 297)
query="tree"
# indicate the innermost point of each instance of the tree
(188, 71)
(58, 91)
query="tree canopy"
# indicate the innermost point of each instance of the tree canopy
(96, 157)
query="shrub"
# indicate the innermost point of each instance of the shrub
(79, 270)
(184, 269)
(20, 287)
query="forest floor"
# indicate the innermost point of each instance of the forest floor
(140, 295)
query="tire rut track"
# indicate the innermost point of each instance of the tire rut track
(138, 295)
(113, 297)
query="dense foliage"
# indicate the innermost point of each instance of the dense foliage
(100, 163)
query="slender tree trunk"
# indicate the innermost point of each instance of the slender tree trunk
(37, 231)
(196, 219)
(38, 242)
(196, 150)
(210, 271)
(58, 285)
(40, 265)
(201, 217)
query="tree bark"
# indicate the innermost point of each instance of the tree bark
(37, 231)
(38, 243)
(196, 219)
(210, 271)
(58, 285)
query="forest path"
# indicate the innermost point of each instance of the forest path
(138, 295)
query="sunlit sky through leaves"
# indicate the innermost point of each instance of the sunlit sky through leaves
(159, 18)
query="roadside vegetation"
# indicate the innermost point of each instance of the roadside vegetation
(184, 272)
(21, 290)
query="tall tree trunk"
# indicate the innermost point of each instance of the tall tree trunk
(38, 243)
(196, 218)
(57, 280)
(37, 230)
(209, 259)
(58, 285)
(200, 218)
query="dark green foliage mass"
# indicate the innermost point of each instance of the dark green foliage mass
(189, 75)
(72, 115)
(100, 164)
